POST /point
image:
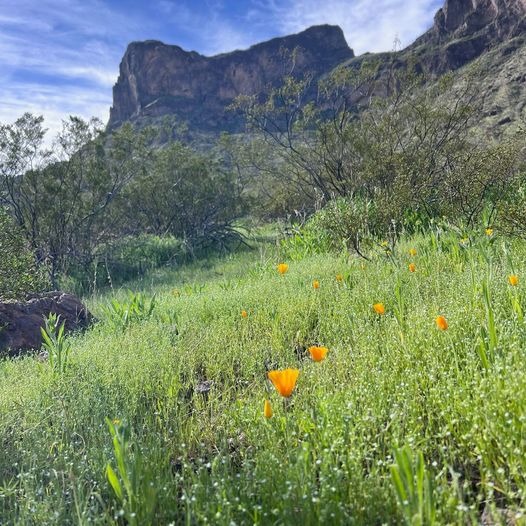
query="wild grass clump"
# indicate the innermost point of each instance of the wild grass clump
(381, 396)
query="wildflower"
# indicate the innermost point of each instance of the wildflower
(412, 267)
(339, 278)
(412, 252)
(384, 244)
(513, 280)
(267, 410)
(318, 353)
(464, 241)
(441, 323)
(282, 268)
(176, 292)
(489, 232)
(284, 381)
(379, 308)
(316, 284)
(244, 314)
(116, 422)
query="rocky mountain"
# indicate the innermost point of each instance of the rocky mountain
(157, 79)
(465, 29)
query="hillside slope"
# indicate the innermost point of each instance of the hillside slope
(184, 389)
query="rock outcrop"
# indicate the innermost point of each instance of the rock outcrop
(157, 79)
(20, 322)
(465, 29)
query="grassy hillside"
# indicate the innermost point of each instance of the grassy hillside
(184, 391)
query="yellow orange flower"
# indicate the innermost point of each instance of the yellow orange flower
(244, 314)
(379, 308)
(316, 284)
(282, 268)
(412, 252)
(513, 280)
(284, 381)
(441, 323)
(339, 277)
(412, 267)
(489, 232)
(384, 244)
(267, 410)
(318, 353)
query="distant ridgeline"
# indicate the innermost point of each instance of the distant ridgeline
(156, 79)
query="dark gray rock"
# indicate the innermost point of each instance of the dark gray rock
(20, 321)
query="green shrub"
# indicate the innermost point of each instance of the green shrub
(135, 255)
(19, 274)
(126, 259)
(343, 224)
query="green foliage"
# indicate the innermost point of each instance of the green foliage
(19, 273)
(192, 399)
(343, 224)
(55, 343)
(414, 487)
(135, 495)
(133, 256)
(136, 309)
(95, 190)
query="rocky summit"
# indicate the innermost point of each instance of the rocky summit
(465, 29)
(156, 79)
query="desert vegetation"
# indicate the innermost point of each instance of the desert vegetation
(319, 321)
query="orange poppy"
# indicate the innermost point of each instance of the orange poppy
(513, 280)
(318, 353)
(412, 267)
(441, 323)
(284, 381)
(379, 308)
(339, 277)
(244, 314)
(282, 268)
(316, 284)
(267, 410)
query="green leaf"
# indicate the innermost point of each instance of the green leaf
(114, 481)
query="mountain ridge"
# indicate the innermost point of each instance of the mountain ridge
(157, 79)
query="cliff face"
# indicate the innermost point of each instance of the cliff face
(465, 29)
(157, 79)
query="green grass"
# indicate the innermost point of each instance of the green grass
(188, 383)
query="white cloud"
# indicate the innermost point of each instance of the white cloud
(368, 26)
(54, 104)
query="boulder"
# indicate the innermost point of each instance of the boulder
(20, 322)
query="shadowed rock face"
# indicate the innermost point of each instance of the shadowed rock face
(20, 322)
(157, 79)
(465, 29)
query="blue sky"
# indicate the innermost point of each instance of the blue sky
(61, 57)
